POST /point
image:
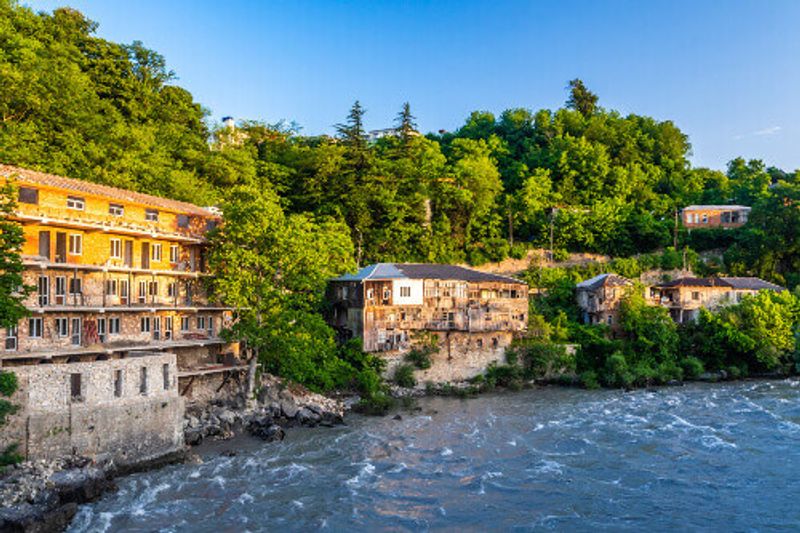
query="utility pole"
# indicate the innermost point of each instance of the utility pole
(675, 232)
(553, 212)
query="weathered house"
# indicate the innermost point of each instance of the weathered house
(599, 298)
(118, 279)
(715, 216)
(472, 316)
(684, 297)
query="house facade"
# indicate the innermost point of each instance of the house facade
(715, 216)
(116, 275)
(684, 297)
(473, 316)
(599, 298)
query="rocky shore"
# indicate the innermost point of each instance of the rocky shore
(43, 496)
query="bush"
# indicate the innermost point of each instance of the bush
(8, 383)
(377, 405)
(404, 376)
(589, 379)
(503, 376)
(692, 367)
(617, 373)
(420, 358)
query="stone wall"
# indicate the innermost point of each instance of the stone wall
(202, 389)
(132, 423)
(460, 356)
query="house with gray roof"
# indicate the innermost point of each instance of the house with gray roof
(599, 298)
(391, 306)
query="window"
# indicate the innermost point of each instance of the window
(61, 290)
(116, 210)
(155, 252)
(62, 327)
(173, 253)
(118, 383)
(76, 331)
(35, 328)
(142, 292)
(172, 289)
(153, 288)
(44, 290)
(405, 292)
(75, 387)
(111, 287)
(157, 328)
(123, 291)
(610, 320)
(28, 195)
(75, 202)
(165, 372)
(116, 249)
(201, 322)
(75, 244)
(183, 221)
(705, 218)
(369, 294)
(210, 324)
(101, 329)
(11, 338)
(151, 215)
(185, 323)
(695, 295)
(168, 327)
(143, 380)
(75, 286)
(386, 293)
(145, 324)
(113, 326)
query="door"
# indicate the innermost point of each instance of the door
(157, 328)
(145, 255)
(61, 247)
(123, 292)
(76, 332)
(44, 244)
(168, 327)
(128, 253)
(61, 290)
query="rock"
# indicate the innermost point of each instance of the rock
(193, 437)
(192, 421)
(268, 433)
(308, 417)
(227, 417)
(397, 417)
(289, 408)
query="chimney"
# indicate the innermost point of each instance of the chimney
(229, 123)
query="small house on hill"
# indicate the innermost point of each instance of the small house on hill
(600, 296)
(715, 216)
(684, 297)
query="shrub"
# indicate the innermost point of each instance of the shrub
(589, 379)
(692, 367)
(8, 383)
(617, 373)
(503, 376)
(420, 358)
(404, 376)
(378, 404)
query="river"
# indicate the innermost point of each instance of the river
(699, 457)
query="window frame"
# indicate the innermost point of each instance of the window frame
(61, 325)
(76, 203)
(71, 241)
(116, 210)
(24, 198)
(35, 327)
(151, 215)
(115, 245)
(156, 252)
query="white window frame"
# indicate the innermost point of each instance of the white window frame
(116, 248)
(111, 287)
(186, 323)
(113, 325)
(116, 210)
(61, 290)
(174, 253)
(201, 323)
(102, 329)
(143, 290)
(12, 334)
(76, 335)
(155, 252)
(145, 325)
(172, 289)
(43, 288)
(210, 325)
(168, 326)
(151, 215)
(75, 244)
(35, 327)
(76, 202)
(75, 283)
(62, 327)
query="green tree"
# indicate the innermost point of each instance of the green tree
(12, 288)
(581, 98)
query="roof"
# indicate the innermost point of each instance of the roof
(34, 177)
(386, 271)
(604, 280)
(716, 208)
(745, 283)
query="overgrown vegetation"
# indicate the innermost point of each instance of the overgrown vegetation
(8, 386)
(300, 209)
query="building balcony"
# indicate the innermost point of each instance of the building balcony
(108, 224)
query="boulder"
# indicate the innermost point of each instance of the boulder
(289, 408)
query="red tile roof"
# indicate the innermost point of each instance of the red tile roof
(34, 177)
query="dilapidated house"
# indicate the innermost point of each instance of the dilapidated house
(391, 306)
(715, 216)
(599, 298)
(684, 297)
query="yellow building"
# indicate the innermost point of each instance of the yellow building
(116, 272)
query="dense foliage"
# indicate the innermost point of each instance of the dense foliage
(302, 208)
(8, 386)
(12, 288)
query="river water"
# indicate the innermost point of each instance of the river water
(720, 457)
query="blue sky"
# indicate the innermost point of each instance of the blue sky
(726, 72)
